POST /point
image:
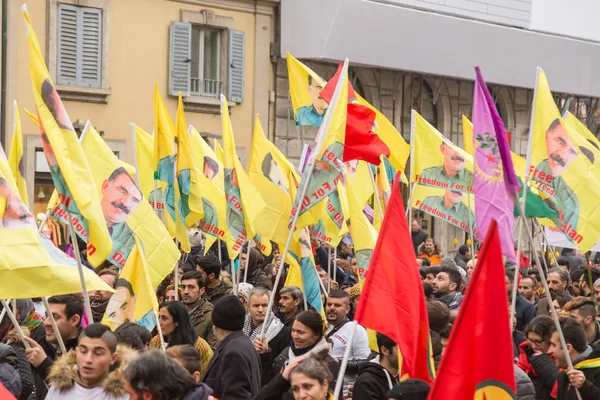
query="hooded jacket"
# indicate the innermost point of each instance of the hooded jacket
(64, 376)
(200, 316)
(374, 382)
(217, 293)
(590, 366)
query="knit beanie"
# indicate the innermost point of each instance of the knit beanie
(410, 389)
(229, 314)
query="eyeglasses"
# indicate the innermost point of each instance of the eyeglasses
(536, 342)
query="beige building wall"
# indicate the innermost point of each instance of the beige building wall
(138, 57)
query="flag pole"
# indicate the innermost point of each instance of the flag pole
(513, 300)
(344, 363)
(329, 270)
(471, 226)
(44, 220)
(176, 283)
(159, 329)
(234, 283)
(538, 265)
(59, 338)
(546, 239)
(15, 323)
(335, 263)
(311, 166)
(412, 162)
(247, 262)
(86, 295)
(2, 314)
(376, 195)
(219, 250)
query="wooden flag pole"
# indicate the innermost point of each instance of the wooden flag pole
(86, 295)
(311, 166)
(61, 343)
(159, 329)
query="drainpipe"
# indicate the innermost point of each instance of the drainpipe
(3, 73)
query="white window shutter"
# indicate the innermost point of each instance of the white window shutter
(67, 45)
(91, 47)
(237, 47)
(180, 58)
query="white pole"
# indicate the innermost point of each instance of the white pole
(219, 250)
(160, 332)
(412, 187)
(41, 227)
(321, 135)
(376, 195)
(86, 296)
(233, 281)
(247, 263)
(344, 364)
(15, 323)
(176, 272)
(471, 226)
(2, 315)
(412, 165)
(329, 270)
(513, 300)
(335, 264)
(59, 338)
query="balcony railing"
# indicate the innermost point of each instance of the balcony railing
(205, 87)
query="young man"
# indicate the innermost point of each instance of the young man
(235, 369)
(340, 329)
(290, 304)
(99, 299)
(277, 336)
(67, 311)
(583, 310)
(198, 308)
(463, 256)
(527, 287)
(445, 288)
(524, 309)
(377, 377)
(85, 372)
(585, 376)
(210, 268)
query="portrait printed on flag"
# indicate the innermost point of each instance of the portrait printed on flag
(312, 114)
(233, 215)
(448, 205)
(15, 213)
(272, 172)
(452, 172)
(120, 308)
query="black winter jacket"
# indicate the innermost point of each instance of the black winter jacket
(590, 389)
(373, 382)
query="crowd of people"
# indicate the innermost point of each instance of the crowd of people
(221, 344)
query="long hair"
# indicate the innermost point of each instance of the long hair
(183, 333)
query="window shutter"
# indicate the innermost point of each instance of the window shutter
(67, 45)
(91, 47)
(237, 47)
(180, 58)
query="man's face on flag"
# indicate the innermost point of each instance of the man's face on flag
(15, 214)
(453, 161)
(314, 89)
(560, 149)
(120, 306)
(120, 198)
(452, 197)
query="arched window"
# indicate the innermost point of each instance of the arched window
(418, 96)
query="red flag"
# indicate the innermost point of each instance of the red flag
(477, 362)
(5, 394)
(360, 142)
(392, 300)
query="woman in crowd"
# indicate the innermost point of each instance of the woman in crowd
(177, 330)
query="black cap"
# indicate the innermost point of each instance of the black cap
(410, 389)
(229, 314)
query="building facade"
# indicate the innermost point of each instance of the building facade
(414, 54)
(106, 55)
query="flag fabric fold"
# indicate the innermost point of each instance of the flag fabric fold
(393, 279)
(471, 368)
(15, 157)
(494, 181)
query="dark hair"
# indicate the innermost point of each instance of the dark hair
(184, 333)
(427, 289)
(535, 272)
(542, 325)
(99, 331)
(212, 164)
(510, 275)
(187, 355)
(385, 341)
(562, 300)
(73, 304)
(186, 267)
(315, 368)
(339, 294)
(269, 269)
(195, 276)
(454, 275)
(574, 334)
(425, 262)
(133, 335)
(554, 124)
(564, 275)
(434, 270)
(111, 273)
(577, 273)
(462, 250)
(584, 305)
(562, 261)
(595, 276)
(209, 264)
(532, 279)
(445, 333)
(310, 79)
(313, 321)
(155, 373)
(410, 389)
(439, 315)
(295, 291)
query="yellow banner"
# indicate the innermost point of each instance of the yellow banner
(363, 233)
(143, 147)
(583, 130)
(384, 191)
(332, 217)
(563, 169)
(437, 161)
(15, 157)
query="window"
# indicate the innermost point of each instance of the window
(79, 55)
(205, 61)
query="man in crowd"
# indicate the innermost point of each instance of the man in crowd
(445, 288)
(575, 276)
(234, 371)
(340, 329)
(346, 248)
(584, 311)
(597, 290)
(572, 258)
(277, 337)
(585, 376)
(209, 267)
(377, 377)
(527, 287)
(99, 299)
(86, 374)
(584, 285)
(67, 311)
(417, 235)
(524, 309)
(558, 281)
(431, 273)
(463, 256)
(429, 252)
(198, 308)
(291, 301)
(563, 262)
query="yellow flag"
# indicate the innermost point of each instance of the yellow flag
(332, 217)
(583, 130)
(164, 171)
(27, 269)
(384, 191)
(143, 147)
(214, 221)
(134, 296)
(269, 171)
(67, 162)
(309, 109)
(437, 161)
(187, 174)
(358, 177)
(219, 151)
(564, 168)
(127, 210)
(467, 127)
(32, 117)
(244, 203)
(15, 158)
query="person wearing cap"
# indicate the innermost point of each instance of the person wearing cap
(377, 377)
(410, 389)
(234, 373)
